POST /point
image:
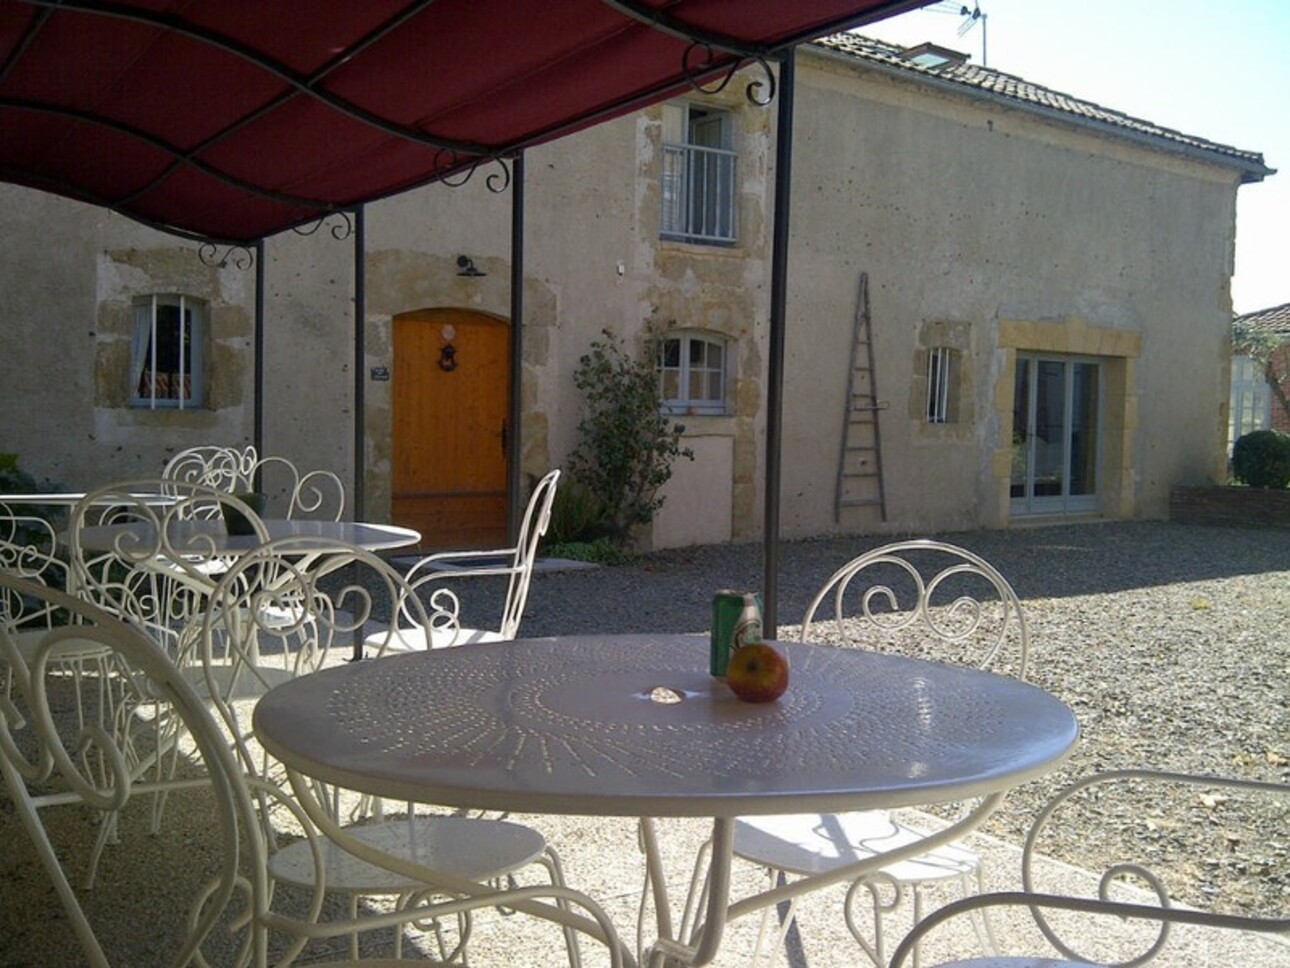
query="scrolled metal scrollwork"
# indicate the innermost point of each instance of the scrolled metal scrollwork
(221, 257)
(694, 70)
(450, 160)
(342, 225)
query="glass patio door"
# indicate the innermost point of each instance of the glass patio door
(1056, 420)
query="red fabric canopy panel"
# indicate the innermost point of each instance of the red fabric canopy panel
(236, 119)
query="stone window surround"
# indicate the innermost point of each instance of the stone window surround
(1118, 349)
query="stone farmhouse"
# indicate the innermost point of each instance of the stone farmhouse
(1027, 293)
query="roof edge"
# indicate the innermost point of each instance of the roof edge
(1249, 163)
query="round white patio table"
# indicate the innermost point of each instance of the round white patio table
(212, 537)
(575, 725)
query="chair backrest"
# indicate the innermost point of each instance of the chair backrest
(35, 740)
(318, 495)
(923, 597)
(1162, 850)
(277, 610)
(147, 551)
(29, 549)
(314, 495)
(230, 469)
(518, 560)
(215, 903)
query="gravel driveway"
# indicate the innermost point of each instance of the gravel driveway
(1171, 643)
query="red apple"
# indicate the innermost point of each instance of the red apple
(757, 672)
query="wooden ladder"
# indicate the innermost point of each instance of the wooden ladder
(859, 481)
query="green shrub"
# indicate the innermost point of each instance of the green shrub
(1261, 458)
(626, 445)
(575, 515)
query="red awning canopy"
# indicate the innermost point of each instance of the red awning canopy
(235, 119)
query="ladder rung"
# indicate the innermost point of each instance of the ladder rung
(859, 502)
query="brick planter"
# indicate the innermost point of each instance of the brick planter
(1239, 507)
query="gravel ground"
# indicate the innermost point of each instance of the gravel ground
(1170, 642)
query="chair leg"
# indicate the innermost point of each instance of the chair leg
(769, 941)
(555, 871)
(873, 885)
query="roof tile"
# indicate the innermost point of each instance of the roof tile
(1025, 94)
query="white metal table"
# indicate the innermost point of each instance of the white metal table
(212, 536)
(572, 726)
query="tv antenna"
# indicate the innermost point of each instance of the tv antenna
(970, 18)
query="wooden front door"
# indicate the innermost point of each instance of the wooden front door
(451, 387)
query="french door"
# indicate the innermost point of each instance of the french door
(1056, 426)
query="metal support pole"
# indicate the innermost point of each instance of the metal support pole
(514, 447)
(775, 369)
(360, 369)
(257, 340)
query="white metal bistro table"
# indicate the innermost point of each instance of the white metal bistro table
(212, 536)
(572, 725)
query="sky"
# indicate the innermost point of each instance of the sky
(1219, 69)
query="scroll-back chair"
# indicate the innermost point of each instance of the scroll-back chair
(515, 564)
(291, 493)
(923, 598)
(1184, 860)
(29, 549)
(208, 896)
(335, 600)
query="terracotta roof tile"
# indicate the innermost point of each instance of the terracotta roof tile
(1027, 95)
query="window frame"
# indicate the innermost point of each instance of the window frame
(1250, 407)
(940, 384)
(684, 404)
(693, 169)
(190, 322)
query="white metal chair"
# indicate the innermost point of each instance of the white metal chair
(233, 916)
(1180, 833)
(332, 600)
(918, 597)
(314, 494)
(515, 564)
(29, 549)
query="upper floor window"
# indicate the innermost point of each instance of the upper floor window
(692, 374)
(167, 358)
(698, 175)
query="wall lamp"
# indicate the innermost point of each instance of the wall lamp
(466, 267)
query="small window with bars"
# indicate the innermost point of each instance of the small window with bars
(166, 352)
(692, 374)
(940, 386)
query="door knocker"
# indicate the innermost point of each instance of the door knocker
(448, 357)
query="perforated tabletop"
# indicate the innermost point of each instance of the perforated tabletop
(572, 725)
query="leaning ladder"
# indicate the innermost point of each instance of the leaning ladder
(859, 481)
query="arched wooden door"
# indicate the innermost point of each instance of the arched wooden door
(451, 388)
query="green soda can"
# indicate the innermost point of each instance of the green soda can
(728, 618)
